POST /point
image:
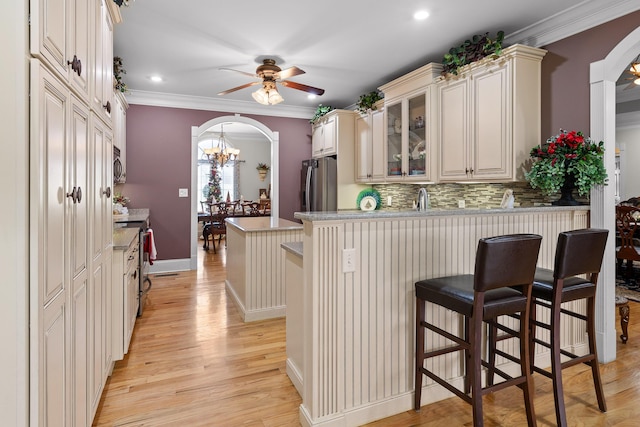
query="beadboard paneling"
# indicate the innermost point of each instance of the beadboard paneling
(359, 338)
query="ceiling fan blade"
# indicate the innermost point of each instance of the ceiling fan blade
(238, 88)
(289, 72)
(238, 71)
(305, 88)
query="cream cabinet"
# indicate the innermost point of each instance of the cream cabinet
(102, 81)
(120, 106)
(101, 149)
(324, 135)
(409, 128)
(70, 249)
(489, 117)
(60, 35)
(59, 251)
(331, 131)
(124, 296)
(370, 159)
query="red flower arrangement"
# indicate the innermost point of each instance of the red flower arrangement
(568, 154)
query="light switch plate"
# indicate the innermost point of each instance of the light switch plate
(183, 192)
(461, 204)
(349, 260)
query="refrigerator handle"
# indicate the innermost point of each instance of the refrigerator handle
(307, 188)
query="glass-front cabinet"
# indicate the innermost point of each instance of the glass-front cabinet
(409, 133)
(407, 138)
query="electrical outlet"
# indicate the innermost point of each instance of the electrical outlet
(183, 192)
(461, 204)
(389, 200)
(348, 260)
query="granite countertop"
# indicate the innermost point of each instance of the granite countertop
(262, 223)
(122, 237)
(292, 247)
(408, 213)
(135, 215)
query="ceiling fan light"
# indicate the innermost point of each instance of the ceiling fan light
(637, 81)
(267, 97)
(275, 97)
(635, 67)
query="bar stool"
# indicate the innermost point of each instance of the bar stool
(501, 262)
(578, 253)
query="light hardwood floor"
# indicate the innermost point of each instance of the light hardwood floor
(193, 362)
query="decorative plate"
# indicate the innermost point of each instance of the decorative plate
(368, 200)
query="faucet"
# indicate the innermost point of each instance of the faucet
(423, 200)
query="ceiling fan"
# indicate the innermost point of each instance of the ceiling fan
(270, 74)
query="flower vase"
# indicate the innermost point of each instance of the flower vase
(566, 193)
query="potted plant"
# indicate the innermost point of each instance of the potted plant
(321, 110)
(565, 162)
(118, 71)
(474, 49)
(367, 101)
(262, 169)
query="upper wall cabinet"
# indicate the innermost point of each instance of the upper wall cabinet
(369, 154)
(61, 36)
(102, 82)
(329, 131)
(410, 125)
(489, 117)
(120, 106)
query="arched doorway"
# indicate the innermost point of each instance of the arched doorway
(603, 76)
(196, 133)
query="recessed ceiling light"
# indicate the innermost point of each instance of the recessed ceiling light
(421, 15)
(156, 79)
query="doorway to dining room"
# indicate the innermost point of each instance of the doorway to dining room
(260, 134)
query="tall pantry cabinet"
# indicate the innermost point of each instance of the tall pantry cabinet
(71, 45)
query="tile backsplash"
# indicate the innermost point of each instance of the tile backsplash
(475, 196)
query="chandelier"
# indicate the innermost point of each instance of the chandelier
(221, 153)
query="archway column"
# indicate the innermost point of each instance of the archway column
(603, 76)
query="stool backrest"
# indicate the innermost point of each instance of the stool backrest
(508, 260)
(579, 252)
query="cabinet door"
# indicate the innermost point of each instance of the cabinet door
(49, 32)
(97, 336)
(120, 132)
(330, 139)
(378, 166)
(453, 130)
(416, 137)
(102, 86)
(317, 140)
(491, 148)
(363, 148)
(394, 140)
(78, 49)
(49, 283)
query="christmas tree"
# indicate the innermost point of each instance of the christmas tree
(215, 191)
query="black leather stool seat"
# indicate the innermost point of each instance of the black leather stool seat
(574, 287)
(456, 293)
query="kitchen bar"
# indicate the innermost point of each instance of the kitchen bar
(358, 320)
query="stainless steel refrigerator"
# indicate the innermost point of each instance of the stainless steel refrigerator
(318, 185)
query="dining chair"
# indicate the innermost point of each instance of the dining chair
(627, 242)
(501, 263)
(216, 226)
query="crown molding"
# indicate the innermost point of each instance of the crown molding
(586, 14)
(157, 99)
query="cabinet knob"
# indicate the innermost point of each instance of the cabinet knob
(76, 65)
(135, 274)
(107, 192)
(72, 194)
(79, 195)
(107, 107)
